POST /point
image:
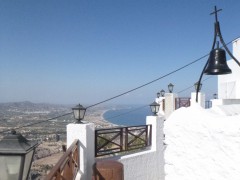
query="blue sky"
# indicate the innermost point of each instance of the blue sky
(87, 51)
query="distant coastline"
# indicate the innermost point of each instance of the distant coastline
(126, 116)
(106, 121)
(101, 116)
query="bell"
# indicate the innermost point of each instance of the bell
(217, 64)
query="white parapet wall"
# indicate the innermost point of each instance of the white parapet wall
(85, 134)
(203, 144)
(160, 102)
(217, 102)
(169, 103)
(201, 99)
(148, 164)
(229, 85)
(144, 165)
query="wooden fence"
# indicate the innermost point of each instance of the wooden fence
(122, 139)
(68, 166)
(182, 102)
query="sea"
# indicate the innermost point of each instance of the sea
(128, 116)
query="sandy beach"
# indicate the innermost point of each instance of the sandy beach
(96, 117)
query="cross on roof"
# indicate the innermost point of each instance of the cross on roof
(215, 12)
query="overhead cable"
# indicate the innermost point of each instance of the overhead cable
(157, 79)
(34, 123)
(119, 95)
(139, 108)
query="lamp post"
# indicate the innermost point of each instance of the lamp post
(158, 94)
(215, 96)
(170, 88)
(162, 93)
(154, 108)
(216, 63)
(16, 154)
(196, 85)
(79, 112)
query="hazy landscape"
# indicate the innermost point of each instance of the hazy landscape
(27, 118)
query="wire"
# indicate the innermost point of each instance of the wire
(114, 97)
(134, 89)
(136, 109)
(192, 85)
(34, 123)
(157, 79)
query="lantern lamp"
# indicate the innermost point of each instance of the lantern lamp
(154, 108)
(170, 88)
(16, 154)
(79, 112)
(162, 92)
(196, 85)
(215, 96)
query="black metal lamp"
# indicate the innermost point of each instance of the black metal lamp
(16, 154)
(162, 92)
(196, 85)
(158, 94)
(170, 88)
(214, 96)
(154, 108)
(79, 112)
(216, 63)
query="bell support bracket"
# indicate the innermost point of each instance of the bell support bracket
(217, 32)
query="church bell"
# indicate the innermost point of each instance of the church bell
(217, 64)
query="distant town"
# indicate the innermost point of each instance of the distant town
(31, 120)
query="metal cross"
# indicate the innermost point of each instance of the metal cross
(215, 12)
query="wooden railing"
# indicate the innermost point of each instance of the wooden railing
(163, 105)
(182, 102)
(122, 139)
(208, 104)
(68, 166)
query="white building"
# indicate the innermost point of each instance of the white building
(204, 143)
(229, 85)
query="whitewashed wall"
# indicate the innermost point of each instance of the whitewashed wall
(145, 165)
(229, 85)
(160, 102)
(203, 144)
(169, 103)
(148, 164)
(85, 133)
(201, 99)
